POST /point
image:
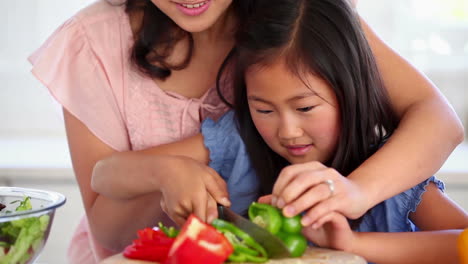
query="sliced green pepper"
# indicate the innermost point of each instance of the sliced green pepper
(288, 229)
(245, 247)
(169, 231)
(292, 225)
(296, 243)
(266, 216)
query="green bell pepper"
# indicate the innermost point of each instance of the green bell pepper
(266, 216)
(292, 225)
(246, 249)
(288, 229)
(296, 243)
(169, 231)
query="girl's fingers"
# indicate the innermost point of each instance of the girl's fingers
(199, 206)
(315, 216)
(211, 209)
(338, 221)
(217, 188)
(163, 205)
(179, 220)
(266, 199)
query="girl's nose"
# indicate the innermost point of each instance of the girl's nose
(289, 129)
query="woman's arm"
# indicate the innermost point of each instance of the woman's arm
(428, 131)
(129, 170)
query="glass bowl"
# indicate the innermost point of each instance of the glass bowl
(23, 234)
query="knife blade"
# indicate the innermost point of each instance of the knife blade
(274, 247)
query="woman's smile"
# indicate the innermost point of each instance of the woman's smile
(194, 9)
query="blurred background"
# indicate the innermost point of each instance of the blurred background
(431, 34)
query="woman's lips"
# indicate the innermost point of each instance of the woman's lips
(298, 150)
(194, 9)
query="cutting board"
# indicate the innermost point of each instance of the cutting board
(311, 256)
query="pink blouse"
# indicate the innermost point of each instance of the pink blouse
(86, 66)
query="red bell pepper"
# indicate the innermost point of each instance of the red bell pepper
(151, 245)
(199, 243)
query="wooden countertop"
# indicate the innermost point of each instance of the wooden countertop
(312, 256)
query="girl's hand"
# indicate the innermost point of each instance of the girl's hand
(302, 187)
(192, 187)
(335, 233)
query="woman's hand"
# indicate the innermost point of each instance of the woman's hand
(303, 187)
(191, 187)
(335, 233)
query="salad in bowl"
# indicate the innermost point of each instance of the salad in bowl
(26, 216)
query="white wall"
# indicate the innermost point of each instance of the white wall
(433, 35)
(24, 104)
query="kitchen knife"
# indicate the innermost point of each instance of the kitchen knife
(274, 247)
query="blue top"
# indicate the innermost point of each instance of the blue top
(229, 158)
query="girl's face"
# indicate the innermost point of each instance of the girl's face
(193, 15)
(298, 119)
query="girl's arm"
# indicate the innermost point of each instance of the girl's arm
(118, 182)
(432, 247)
(440, 220)
(136, 171)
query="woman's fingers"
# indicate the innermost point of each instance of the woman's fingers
(289, 175)
(305, 181)
(266, 199)
(310, 198)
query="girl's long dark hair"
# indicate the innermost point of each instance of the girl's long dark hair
(158, 34)
(322, 37)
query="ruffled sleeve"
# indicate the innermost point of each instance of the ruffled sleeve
(76, 75)
(392, 215)
(228, 156)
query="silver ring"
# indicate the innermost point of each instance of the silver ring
(331, 186)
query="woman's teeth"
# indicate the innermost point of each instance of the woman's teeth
(193, 6)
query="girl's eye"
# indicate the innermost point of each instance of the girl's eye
(263, 111)
(305, 109)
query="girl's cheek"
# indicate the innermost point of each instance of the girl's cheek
(264, 128)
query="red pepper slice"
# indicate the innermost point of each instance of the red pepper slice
(148, 253)
(199, 243)
(151, 245)
(154, 235)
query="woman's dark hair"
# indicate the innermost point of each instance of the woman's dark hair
(322, 37)
(158, 34)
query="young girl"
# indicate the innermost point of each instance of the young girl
(315, 98)
(133, 77)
